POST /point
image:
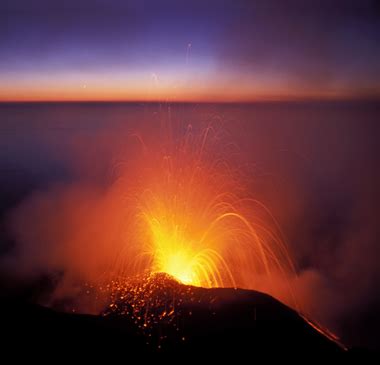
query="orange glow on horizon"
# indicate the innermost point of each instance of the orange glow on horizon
(152, 91)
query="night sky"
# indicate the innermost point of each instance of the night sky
(189, 50)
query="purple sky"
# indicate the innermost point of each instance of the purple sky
(188, 50)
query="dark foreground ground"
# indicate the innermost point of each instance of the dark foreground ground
(208, 322)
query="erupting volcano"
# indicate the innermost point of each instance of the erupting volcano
(186, 251)
(190, 213)
(189, 176)
(192, 223)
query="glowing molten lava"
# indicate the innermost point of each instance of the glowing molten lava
(192, 216)
(184, 261)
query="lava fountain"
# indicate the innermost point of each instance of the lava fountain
(190, 213)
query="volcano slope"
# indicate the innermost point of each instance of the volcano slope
(157, 315)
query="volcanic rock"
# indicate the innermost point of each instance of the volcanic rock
(158, 315)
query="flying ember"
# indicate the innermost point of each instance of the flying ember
(190, 213)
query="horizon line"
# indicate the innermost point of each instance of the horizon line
(195, 101)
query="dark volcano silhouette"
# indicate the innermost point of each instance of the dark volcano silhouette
(167, 317)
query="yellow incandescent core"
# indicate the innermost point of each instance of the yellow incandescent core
(188, 260)
(173, 254)
(179, 265)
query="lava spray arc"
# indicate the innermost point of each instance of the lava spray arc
(191, 215)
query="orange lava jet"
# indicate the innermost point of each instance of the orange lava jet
(191, 215)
